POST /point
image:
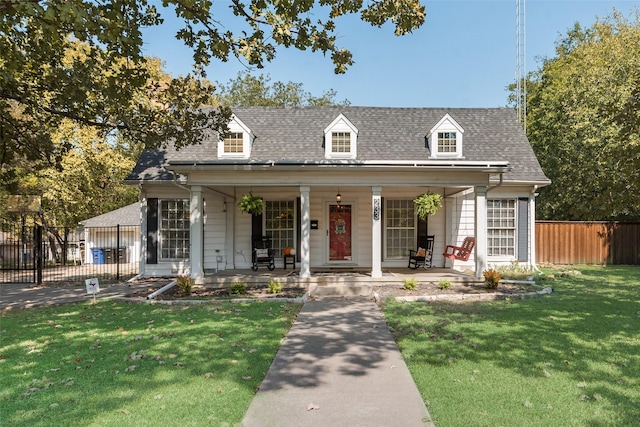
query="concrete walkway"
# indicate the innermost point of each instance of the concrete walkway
(338, 366)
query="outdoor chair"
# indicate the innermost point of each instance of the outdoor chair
(262, 253)
(422, 256)
(462, 252)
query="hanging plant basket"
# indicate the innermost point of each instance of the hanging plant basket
(427, 204)
(251, 204)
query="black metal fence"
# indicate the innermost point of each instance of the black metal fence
(31, 253)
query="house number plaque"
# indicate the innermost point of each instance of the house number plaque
(376, 209)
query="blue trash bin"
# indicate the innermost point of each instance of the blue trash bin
(98, 255)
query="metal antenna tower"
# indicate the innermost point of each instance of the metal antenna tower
(521, 63)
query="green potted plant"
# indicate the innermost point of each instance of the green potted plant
(427, 204)
(251, 204)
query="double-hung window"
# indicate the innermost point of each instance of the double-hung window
(400, 228)
(501, 227)
(280, 224)
(174, 229)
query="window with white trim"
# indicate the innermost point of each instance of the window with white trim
(400, 228)
(340, 142)
(174, 229)
(447, 142)
(233, 143)
(280, 224)
(501, 227)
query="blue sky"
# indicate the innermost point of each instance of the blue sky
(463, 56)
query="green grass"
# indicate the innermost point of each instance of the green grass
(571, 358)
(116, 364)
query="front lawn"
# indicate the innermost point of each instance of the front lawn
(571, 358)
(117, 364)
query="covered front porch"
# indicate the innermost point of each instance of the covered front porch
(331, 277)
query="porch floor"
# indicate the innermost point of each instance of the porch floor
(336, 276)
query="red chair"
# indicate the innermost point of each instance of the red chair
(462, 252)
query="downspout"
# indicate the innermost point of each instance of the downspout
(495, 186)
(177, 184)
(534, 264)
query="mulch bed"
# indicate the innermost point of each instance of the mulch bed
(174, 293)
(384, 291)
(431, 288)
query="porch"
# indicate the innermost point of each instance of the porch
(337, 281)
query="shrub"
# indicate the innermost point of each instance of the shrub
(185, 283)
(444, 284)
(274, 286)
(492, 278)
(515, 271)
(238, 288)
(409, 284)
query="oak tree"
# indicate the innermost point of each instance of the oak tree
(583, 121)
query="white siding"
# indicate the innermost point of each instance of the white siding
(214, 232)
(460, 211)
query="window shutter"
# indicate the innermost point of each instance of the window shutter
(152, 231)
(256, 226)
(523, 230)
(422, 232)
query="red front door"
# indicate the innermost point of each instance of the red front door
(340, 232)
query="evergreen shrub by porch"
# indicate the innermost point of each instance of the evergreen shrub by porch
(274, 286)
(238, 288)
(409, 284)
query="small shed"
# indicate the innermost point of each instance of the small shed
(113, 237)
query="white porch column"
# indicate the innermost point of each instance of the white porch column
(229, 237)
(481, 229)
(376, 232)
(305, 228)
(196, 219)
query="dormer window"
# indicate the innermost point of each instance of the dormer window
(237, 143)
(340, 139)
(233, 143)
(340, 142)
(446, 138)
(446, 142)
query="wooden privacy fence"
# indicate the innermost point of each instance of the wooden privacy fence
(593, 242)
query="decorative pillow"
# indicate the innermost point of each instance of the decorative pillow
(421, 252)
(262, 253)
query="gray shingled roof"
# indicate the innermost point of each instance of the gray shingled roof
(128, 215)
(296, 134)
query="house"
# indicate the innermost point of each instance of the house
(338, 184)
(110, 235)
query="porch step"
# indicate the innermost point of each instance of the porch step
(341, 290)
